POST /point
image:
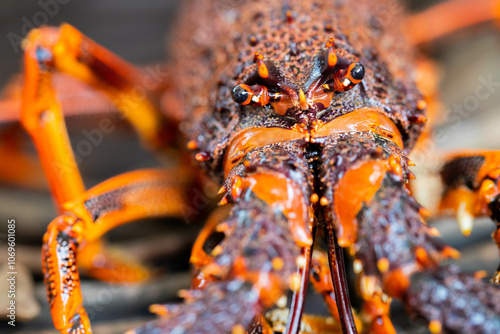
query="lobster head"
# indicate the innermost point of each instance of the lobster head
(303, 98)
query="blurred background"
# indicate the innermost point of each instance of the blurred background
(137, 32)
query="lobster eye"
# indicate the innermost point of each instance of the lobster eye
(241, 94)
(358, 72)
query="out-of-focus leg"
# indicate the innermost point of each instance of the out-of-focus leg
(119, 200)
(448, 17)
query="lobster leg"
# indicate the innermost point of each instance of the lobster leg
(448, 17)
(256, 261)
(321, 280)
(210, 238)
(67, 50)
(42, 118)
(119, 200)
(27, 172)
(393, 245)
(471, 188)
(392, 221)
(471, 184)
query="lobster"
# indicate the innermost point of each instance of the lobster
(305, 112)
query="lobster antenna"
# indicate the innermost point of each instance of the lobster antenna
(337, 269)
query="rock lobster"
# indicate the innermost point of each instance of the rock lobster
(305, 112)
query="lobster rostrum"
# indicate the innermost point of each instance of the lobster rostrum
(305, 113)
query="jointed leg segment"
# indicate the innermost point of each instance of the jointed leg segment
(67, 50)
(122, 199)
(86, 215)
(395, 250)
(471, 182)
(449, 17)
(255, 257)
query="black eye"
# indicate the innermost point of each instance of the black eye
(358, 72)
(241, 95)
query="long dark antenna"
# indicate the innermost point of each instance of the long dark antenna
(337, 269)
(299, 297)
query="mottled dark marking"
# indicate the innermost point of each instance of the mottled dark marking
(461, 171)
(76, 325)
(494, 207)
(111, 201)
(461, 303)
(63, 239)
(100, 69)
(390, 226)
(213, 240)
(66, 251)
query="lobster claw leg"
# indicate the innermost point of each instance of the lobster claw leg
(396, 252)
(61, 277)
(407, 267)
(251, 267)
(413, 273)
(119, 200)
(222, 307)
